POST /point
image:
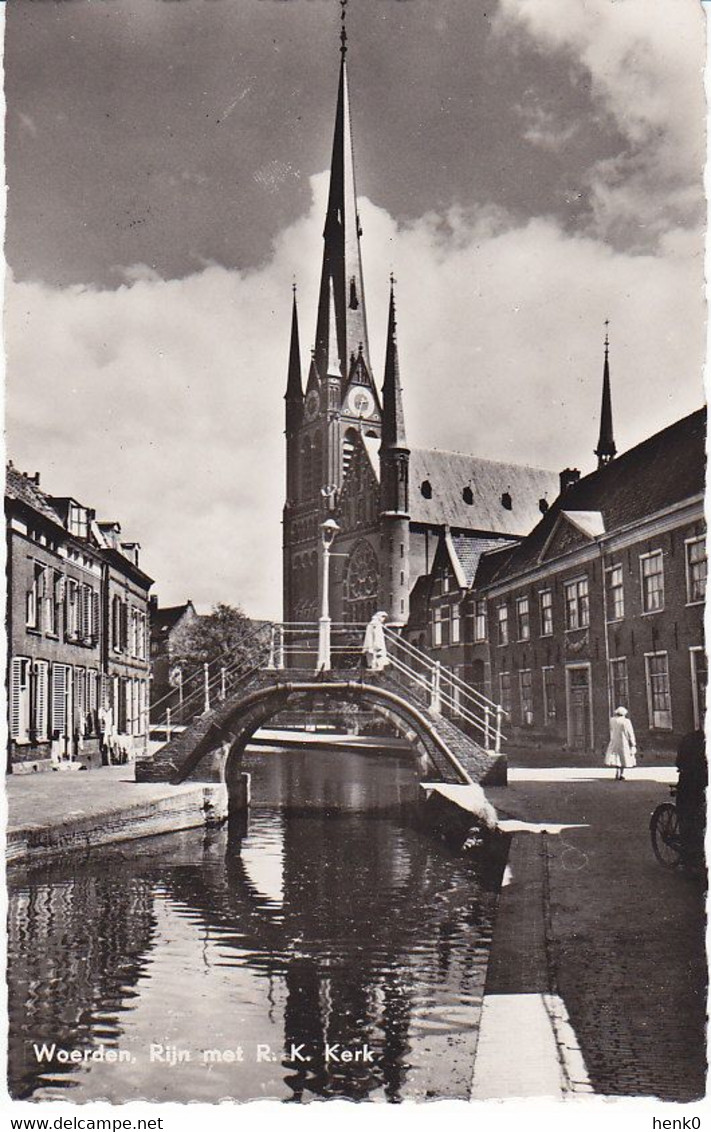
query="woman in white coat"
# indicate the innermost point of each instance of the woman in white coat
(374, 649)
(622, 748)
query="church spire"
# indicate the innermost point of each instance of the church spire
(341, 253)
(294, 396)
(393, 434)
(606, 448)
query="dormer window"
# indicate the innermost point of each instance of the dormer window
(426, 489)
(468, 495)
(506, 501)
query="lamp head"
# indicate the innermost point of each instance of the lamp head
(329, 530)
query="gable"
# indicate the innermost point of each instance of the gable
(567, 535)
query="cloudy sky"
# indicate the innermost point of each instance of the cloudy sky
(527, 168)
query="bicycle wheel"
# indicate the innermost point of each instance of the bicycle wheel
(666, 840)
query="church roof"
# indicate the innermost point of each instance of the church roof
(663, 471)
(471, 493)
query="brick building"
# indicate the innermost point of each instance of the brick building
(77, 632)
(167, 624)
(601, 605)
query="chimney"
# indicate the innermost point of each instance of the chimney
(568, 477)
(130, 550)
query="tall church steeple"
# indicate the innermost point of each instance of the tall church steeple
(606, 448)
(341, 253)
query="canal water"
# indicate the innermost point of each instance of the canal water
(328, 949)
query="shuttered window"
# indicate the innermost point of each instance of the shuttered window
(20, 699)
(59, 698)
(41, 701)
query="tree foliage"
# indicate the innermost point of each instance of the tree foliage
(218, 638)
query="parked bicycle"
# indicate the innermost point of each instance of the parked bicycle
(665, 832)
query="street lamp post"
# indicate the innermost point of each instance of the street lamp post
(329, 530)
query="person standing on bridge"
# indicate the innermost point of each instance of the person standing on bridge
(622, 748)
(374, 651)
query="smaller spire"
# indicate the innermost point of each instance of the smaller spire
(294, 395)
(606, 448)
(294, 389)
(393, 432)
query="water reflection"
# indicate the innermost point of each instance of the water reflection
(319, 928)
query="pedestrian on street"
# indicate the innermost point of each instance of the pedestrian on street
(622, 748)
(374, 650)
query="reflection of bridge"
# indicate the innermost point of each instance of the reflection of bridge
(454, 730)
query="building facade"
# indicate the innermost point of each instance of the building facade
(600, 606)
(167, 623)
(347, 453)
(77, 605)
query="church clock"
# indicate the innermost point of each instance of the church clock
(360, 402)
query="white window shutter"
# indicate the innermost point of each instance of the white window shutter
(41, 699)
(59, 698)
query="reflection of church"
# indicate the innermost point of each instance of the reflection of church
(348, 455)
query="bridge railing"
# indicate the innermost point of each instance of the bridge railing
(296, 645)
(209, 684)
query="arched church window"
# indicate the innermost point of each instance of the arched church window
(426, 489)
(360, 594)
(353, 300)
(349, 441)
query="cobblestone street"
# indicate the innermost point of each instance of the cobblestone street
(627, 936)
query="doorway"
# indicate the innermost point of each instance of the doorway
(579, 701)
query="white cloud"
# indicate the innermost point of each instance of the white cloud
(645, 60)
(160, 403)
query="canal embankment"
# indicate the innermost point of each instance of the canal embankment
(596, 982)
(49, 815)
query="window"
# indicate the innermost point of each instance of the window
(615, 595)
(480, 627)
(35, 597)
(699, 682)
(695, 570)
(445, 624)
(619, 685)
(502, 621)
(60, 692)
(55, 608)
(445, 582)
(40, 720)
(505, 691)
(437, 626)
(20, 699)
(71, 610)
(546, 598)
(523, 619)
(577, 604)
(658, 694)
(455, 625)
(549, 712)
(526, 691)
(652, 566)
